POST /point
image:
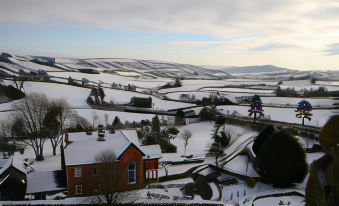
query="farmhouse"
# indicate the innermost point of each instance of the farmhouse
(186, 117)
(136, 165)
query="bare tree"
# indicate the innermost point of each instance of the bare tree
(106, 181)
(79, 121)
(57, 121)
(106, 119)
(95, 118)
(5, 130)
(185, 136)
(28, 124)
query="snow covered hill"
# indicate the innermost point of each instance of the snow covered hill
(121, 66)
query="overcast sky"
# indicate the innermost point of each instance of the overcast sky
(297, 34)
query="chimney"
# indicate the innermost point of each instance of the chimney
(101, 133)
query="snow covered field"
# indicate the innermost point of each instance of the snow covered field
(319, 118)
(294, 101)
(306, 84)
(194, 85)
(110, 78)
(76, 96)
(239, 90)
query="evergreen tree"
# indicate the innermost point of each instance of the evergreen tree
(207, 114)
(219, 145)
(262, 138)
(101, 94)
(116, 121)
(177, 83)
(173, 130)
(156, 124)
(282, 160)
(180, 117)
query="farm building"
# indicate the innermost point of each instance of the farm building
(184, 117)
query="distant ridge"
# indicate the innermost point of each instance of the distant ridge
(249, 69)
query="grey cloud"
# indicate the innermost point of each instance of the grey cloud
(270, 46)
(332, 49)
(215, 16)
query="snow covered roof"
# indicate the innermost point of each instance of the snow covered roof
(43, 182)
(14, 162)
(19, 165)
(4, 165)
(151, 151)
(84, 148)
(131, 135)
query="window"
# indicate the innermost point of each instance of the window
(77, 172)
(78, 189)
(94, 172)
(131, 172)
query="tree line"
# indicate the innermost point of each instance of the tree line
(36, 119)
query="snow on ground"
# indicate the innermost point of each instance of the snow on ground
(275, 101)
(334, 83)
(319, 118)
(50, 162)
(123, 116)
(7, 105)
(110, 78)
(232, 193)
(76, 96)
(294, 101)
(200, 140)
(198, 145)
(200, 95)
(277, 201)
(280, 198)
(241, 164)
(305, 84)
(240, 90)
(34, 66)
(194, 85)
(311, 157)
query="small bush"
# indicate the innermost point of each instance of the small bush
(141, 102)
(166, 146)
(205, 191)
(206, 114)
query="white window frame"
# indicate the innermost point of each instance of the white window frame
(77, 172)
(76, 190)
(135, 173)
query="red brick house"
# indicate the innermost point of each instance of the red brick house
(136, 164)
